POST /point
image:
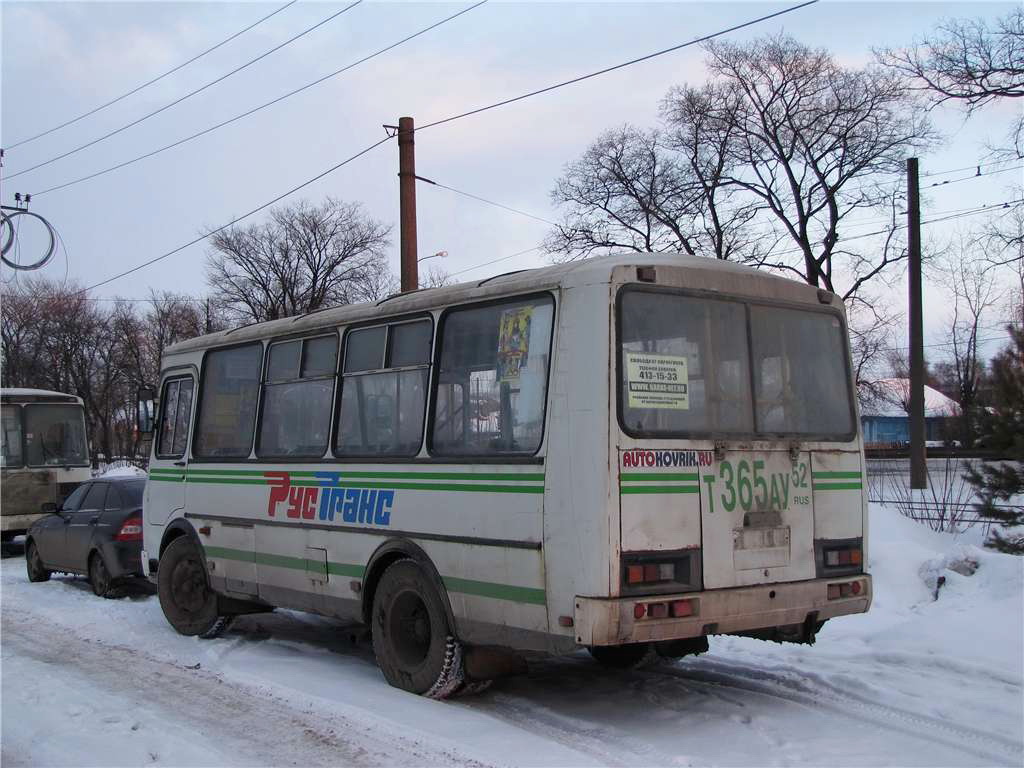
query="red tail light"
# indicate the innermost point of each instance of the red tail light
(131, 530)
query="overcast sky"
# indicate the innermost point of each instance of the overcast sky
(61, 59)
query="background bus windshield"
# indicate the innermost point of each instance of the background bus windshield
(54, 435)
(688, 364)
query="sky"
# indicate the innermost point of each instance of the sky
(62, 59)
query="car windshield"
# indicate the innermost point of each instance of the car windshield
(689, 365)
(55, 435)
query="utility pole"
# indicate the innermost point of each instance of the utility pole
(918, 468)
(407, 203)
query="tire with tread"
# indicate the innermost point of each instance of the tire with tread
(188, 602)
(414, 644)
(99, 576)
(631, 656)
(34, 564)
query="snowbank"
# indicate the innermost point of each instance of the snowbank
(127, 471)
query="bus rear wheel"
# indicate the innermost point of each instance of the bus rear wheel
(188, 603)
(412, 639)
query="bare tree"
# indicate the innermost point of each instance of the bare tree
(973, 292)
(304, 258)
(970, 61)
(435, 277)
(764, 165)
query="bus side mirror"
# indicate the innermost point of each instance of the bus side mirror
(145, 413)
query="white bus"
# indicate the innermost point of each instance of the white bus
(626, 454)
(45, 454)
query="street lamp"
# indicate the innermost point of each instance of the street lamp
(442, 254)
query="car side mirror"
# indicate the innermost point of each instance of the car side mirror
(48, 508)
(145, 412)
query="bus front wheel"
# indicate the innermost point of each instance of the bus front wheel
(414, 644)
(188, 603)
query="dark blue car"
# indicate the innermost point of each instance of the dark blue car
(96, 532)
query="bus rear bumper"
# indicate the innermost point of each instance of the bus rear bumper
(614, 621)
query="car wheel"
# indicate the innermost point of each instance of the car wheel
(188, 603)
(412, 639)
(631, 656)
(99, 576)
(34, 564)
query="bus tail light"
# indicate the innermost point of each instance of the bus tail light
(844, 556)
(845, 589)
(131, 530)
(676, 609)
(681, 608)
(654, 573)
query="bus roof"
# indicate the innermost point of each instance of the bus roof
(27, 395)
(597, 269)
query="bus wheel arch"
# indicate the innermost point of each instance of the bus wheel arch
(177, 528)
(390, 552)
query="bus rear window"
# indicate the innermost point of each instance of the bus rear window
(686, 368)
(684, 365)
(800, 379)
(11, 437)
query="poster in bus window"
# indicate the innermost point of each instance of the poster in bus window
(657, 381)
(513, 342)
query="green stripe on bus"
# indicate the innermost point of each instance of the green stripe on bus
(628, 489)
(838, 486)
(464, 586)
(497, 591)
(657, 477)
(470, 488)
(836, 475)
(168, 478)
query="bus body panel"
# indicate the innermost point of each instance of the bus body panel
(580, 515)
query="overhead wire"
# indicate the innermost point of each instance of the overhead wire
(150, 82)
(256, 109)
(237, 219)
(455, 117)
(615, 67)
(190, 94)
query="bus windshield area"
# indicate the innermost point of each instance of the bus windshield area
(692, 365)
(54, 435)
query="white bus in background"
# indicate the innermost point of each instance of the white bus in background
(628, 454)
(45, 454)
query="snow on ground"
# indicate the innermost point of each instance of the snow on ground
(124, 471)
(916, 681)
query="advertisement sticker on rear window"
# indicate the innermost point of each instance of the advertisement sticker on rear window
(657, 381)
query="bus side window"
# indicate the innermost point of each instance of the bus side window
(492, 382)
(384, 390)
(298, 391)
(11, 436)
(227, 404)
(176, 408)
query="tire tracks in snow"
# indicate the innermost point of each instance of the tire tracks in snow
(255, 725)
(809, 689)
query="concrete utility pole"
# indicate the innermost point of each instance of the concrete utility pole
(407, 203)
(918, 468)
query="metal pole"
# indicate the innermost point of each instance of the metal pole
(918, 468)
(407, 203)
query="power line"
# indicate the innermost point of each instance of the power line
(234, 221)
(252, 111)
(624, 64)
(188, 95)
(485, 200)
(148, 83)
(387, 138)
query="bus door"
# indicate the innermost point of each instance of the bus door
(165, 491)
(757, 518)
